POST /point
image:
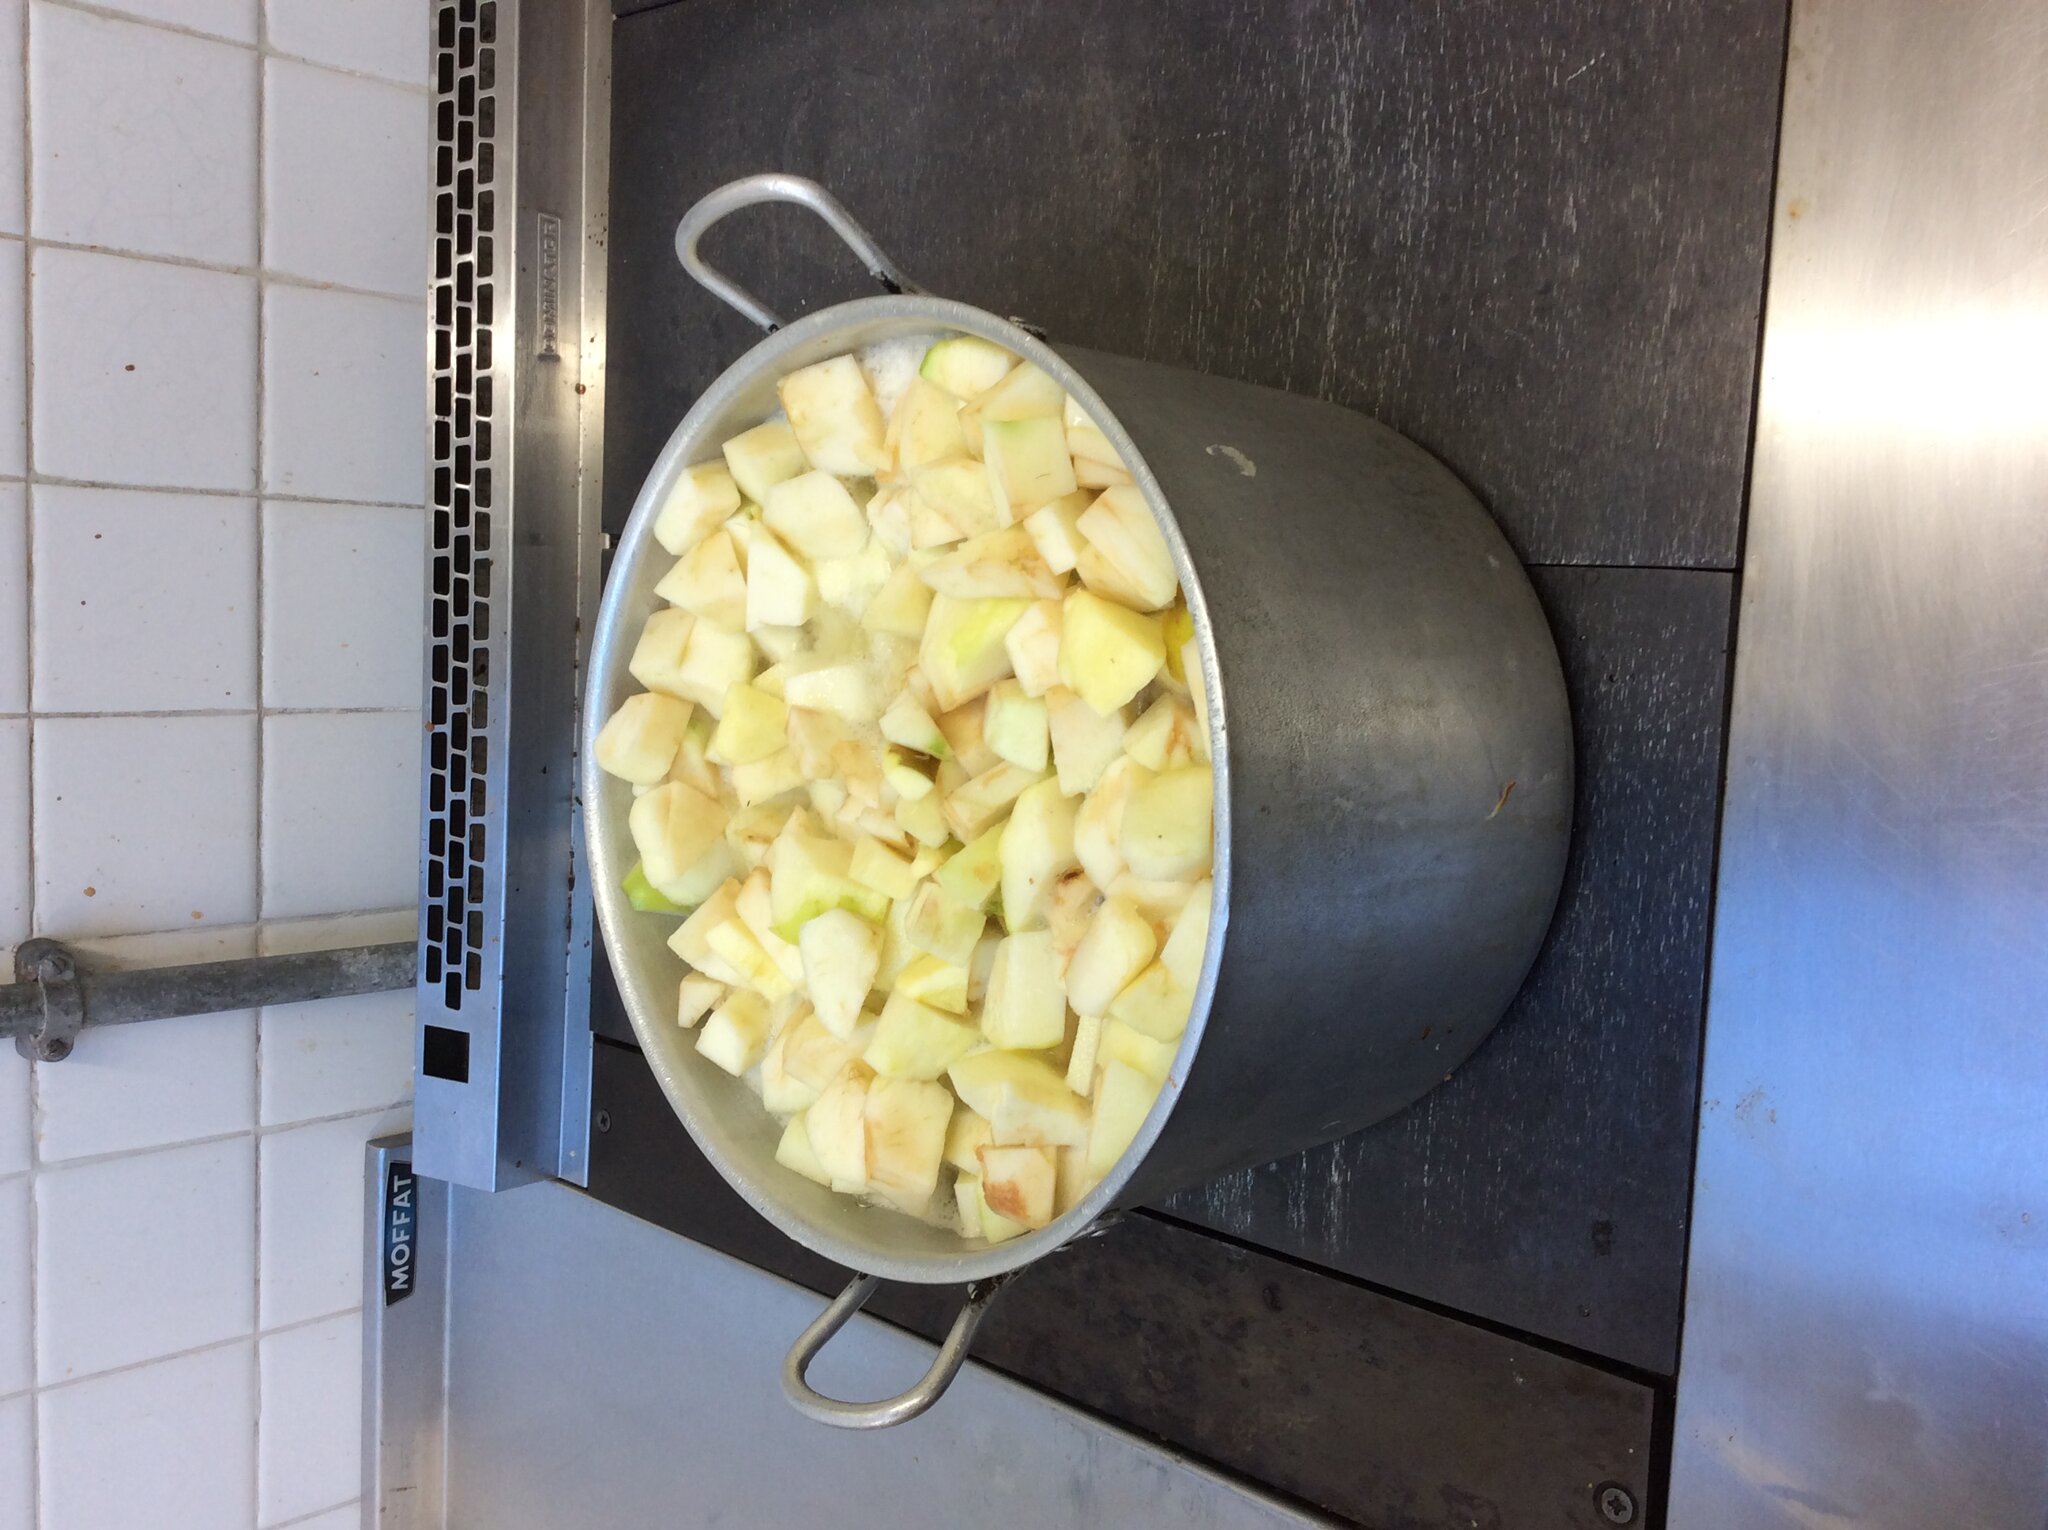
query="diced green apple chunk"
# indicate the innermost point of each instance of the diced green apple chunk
(914, 1040)
(1166, 827)
(925, 425)
(942, 925)
(1024, 1098)
(1017, 1183)
(1098, 826)
(972, 874)
(1085, 742)
(835, 417)
(1033, 644)
(888, 871)
(959, 491)
(762, 457)
(709, 582)
(1025, 1009)
(698, 503)
(841, 954)
(1108, 652)
(1120, 526)
(1123, 1098)
(1118, 946)
(973, 806)
(815, 516)
(1056, 530)
(905, 722)
(998, 563)
(714, 660)
(1015, 725)
(1163, 738)
(901, 605)
(780, 589)
(962, 652)
(1182, 954)
(935, 983)
(1027, 466)
(837, 1126)
(660, 650)
(638, 742)
(1154, 1004)
(1038, 845)
(966, 366)
(751, 727)
(696, 997)
(1081, 1057)
(906, 1139)
(736, 1033)
(794, 1151)
(673, 826)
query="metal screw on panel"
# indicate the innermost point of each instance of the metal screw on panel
(1617, 1504)
(603, 1122)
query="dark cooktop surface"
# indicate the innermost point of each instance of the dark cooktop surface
(1532, 237)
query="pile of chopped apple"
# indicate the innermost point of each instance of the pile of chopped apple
(922, 761)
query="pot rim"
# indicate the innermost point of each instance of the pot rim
(610, 648)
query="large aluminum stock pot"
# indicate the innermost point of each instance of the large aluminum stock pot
(1393, 765)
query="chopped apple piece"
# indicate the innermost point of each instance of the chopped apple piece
(709, 582)
(780, 590)
(1119, 525)
(1084, 741)
(1166, 827)
(764, 780)
(913, 1040)
(696, 997)
(1123, 1098)
(1027, 466)
(924, 819)
(1023, 1097)
(1176, 626)
(736, 1034)
(1184, 948)
(909, 775)
(1024, 1009)
(809, 874)
(976, 1220)
(1038, 845)
(752, 830)
(714, 660)
(928, 528)
(1098, 827)
(972, 874)
(1118, 945)
(813, 735)
(1154, 1004)
(1033, 644)
(1017, 1183)
(658, 656)
(841, 954)
(835, 417)
(813, 1056)
(691, 766)
(756, 910)
(751, 727)
(1081, 1056)
(940, 924)
(837, 1125)
(973, 806)
(1001, 563)
(638, 743)
(781, 1091)
(815, 516)
(906, 1139)
(1135, 1049)
(689, 941)
(962, 652)
(889, 872)
(850, 584)
(673, 827)
(965, 1135)
(1067, 917)
(1164, 737)
(1087, 443)
(965, 729)
(1108, 652)
(734, 944)
(794, 1150)
(908, 724)
(901, 605)
(966, 366)
(933, 982)
(925, 426)
(1015, 725)
(1160, 902)
(762, 457)
(845, 690)
(1056, 531)
(1092, 475)
(958, 490)
(1026, 392)
(698, 504)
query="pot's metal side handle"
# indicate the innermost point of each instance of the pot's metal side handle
(750, 192)
(952, 1354)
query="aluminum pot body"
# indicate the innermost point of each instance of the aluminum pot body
(1379, 672)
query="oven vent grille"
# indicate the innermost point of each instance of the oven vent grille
(456, 915)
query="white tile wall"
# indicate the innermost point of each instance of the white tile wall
(144, 601)
(212, 241)
(160, 1445)
(312, 1394)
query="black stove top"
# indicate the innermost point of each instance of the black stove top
(1533, 239)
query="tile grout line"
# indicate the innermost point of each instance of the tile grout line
(179, 29)
(215, 1139)
(28, 463)
(254, 1338)
(256, 1155)
(226, 268)
(56, 481)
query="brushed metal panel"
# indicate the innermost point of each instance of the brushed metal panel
(1867, 1311)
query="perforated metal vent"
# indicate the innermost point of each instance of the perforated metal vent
(456, 916)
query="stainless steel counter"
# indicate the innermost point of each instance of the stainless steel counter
(1866, 1332)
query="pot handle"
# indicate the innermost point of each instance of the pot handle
(750, 191)
(813, 1404)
